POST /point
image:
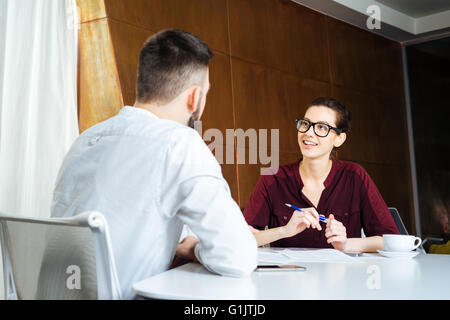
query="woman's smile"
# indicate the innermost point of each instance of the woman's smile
(309, 144)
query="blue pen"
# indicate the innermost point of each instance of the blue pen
(321, 218)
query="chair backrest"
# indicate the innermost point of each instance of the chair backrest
(398, 221)
(58, 258)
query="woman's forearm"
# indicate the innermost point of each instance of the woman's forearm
(269, 235)
(369, 244)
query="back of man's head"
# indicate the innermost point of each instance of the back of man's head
(170, 62)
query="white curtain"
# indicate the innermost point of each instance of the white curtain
(38, 101)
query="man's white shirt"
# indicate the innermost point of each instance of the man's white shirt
(149, 177)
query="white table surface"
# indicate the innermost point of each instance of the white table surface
(426, 276)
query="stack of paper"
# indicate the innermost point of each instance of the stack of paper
(286, 256)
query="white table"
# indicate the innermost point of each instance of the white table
(426, 276)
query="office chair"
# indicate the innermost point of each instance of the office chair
(58, 258)
(398, 221)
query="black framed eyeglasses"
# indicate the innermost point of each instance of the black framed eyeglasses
(320, 129)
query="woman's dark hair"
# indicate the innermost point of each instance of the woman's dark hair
(343, 116)
(169, 62)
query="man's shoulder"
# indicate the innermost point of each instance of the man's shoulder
(98, 127)
(186, 148)
(186, 138)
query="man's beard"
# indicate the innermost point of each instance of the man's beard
(196, 114)
(194, 117)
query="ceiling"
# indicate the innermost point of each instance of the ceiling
(404, 21)
(417, 8)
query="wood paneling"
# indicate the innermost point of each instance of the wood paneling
(388, 76)
(270, 99)
(393, 183)
(99, 90)
(358, 146)
(352, 56)
(126, 51)
(281, 35)
(372, 138)
(272, 58)
(205, 18)
(91, 10)
(219, 104)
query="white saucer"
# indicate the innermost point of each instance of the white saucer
(393, 254)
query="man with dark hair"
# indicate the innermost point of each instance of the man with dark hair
(150, 173)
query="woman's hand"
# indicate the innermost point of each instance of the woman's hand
(336, 233)
(300, 221)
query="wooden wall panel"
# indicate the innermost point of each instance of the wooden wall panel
(219, 104)
(352, 56)
(392, 181)
(389, 124)
(99, 94)
(372, 138)
(363, 61)
(358, 146)
(218, 114)
(126, 50)
(281, 35)
(388, 77)
(91, 10)
(269, 99)
(205, 18)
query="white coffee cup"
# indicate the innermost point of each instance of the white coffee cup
(400, 243)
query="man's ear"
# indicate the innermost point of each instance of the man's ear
(340, 139)
(193, 98)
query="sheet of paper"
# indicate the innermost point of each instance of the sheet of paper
(271, 257)
(285, 256)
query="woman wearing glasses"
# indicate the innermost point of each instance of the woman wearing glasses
(341, 191)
